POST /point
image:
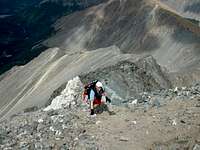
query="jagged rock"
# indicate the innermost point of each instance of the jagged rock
(34, 125)
(69, 96)
(24, 145)
(64, 147)
(38, 145)
(65, 125)
(52, 112)
(196, 147)
(126, 79)
(40, 127)
(124, 139)
(40, 120)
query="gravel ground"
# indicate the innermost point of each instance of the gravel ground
(172, 122)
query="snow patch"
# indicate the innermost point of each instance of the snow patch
(68, 97)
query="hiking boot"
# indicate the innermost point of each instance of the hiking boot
(93, 116)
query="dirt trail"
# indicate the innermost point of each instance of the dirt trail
(176, 125)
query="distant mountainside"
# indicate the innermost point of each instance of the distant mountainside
(187, 8)
(24, 24)
(135, 27)
(146, 53)
(100, 41)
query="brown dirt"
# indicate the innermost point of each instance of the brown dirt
(175, 125)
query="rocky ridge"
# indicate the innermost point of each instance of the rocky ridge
(148, 49)
(137, 29)
(70, 127)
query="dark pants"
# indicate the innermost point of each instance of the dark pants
(100, 108)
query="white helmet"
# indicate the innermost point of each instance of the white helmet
(99, 84)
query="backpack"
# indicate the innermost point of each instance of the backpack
(87, 88)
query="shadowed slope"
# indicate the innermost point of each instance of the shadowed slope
(135, 27)
(24, 24)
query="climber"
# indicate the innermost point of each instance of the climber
(95, 95)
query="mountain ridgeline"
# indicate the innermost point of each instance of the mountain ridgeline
(132, 45)
(138, 27)
(146, 53)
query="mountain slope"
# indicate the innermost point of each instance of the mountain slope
(186, 8)
(171, 124)
(25, 24)
(118, 42)
(34, 84)
(135, 27)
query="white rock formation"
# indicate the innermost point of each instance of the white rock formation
(69, 96)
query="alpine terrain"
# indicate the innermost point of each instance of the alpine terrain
(146, 53)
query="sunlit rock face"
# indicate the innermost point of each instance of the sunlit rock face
(69, 97)
(139, 27)
(187, 8)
